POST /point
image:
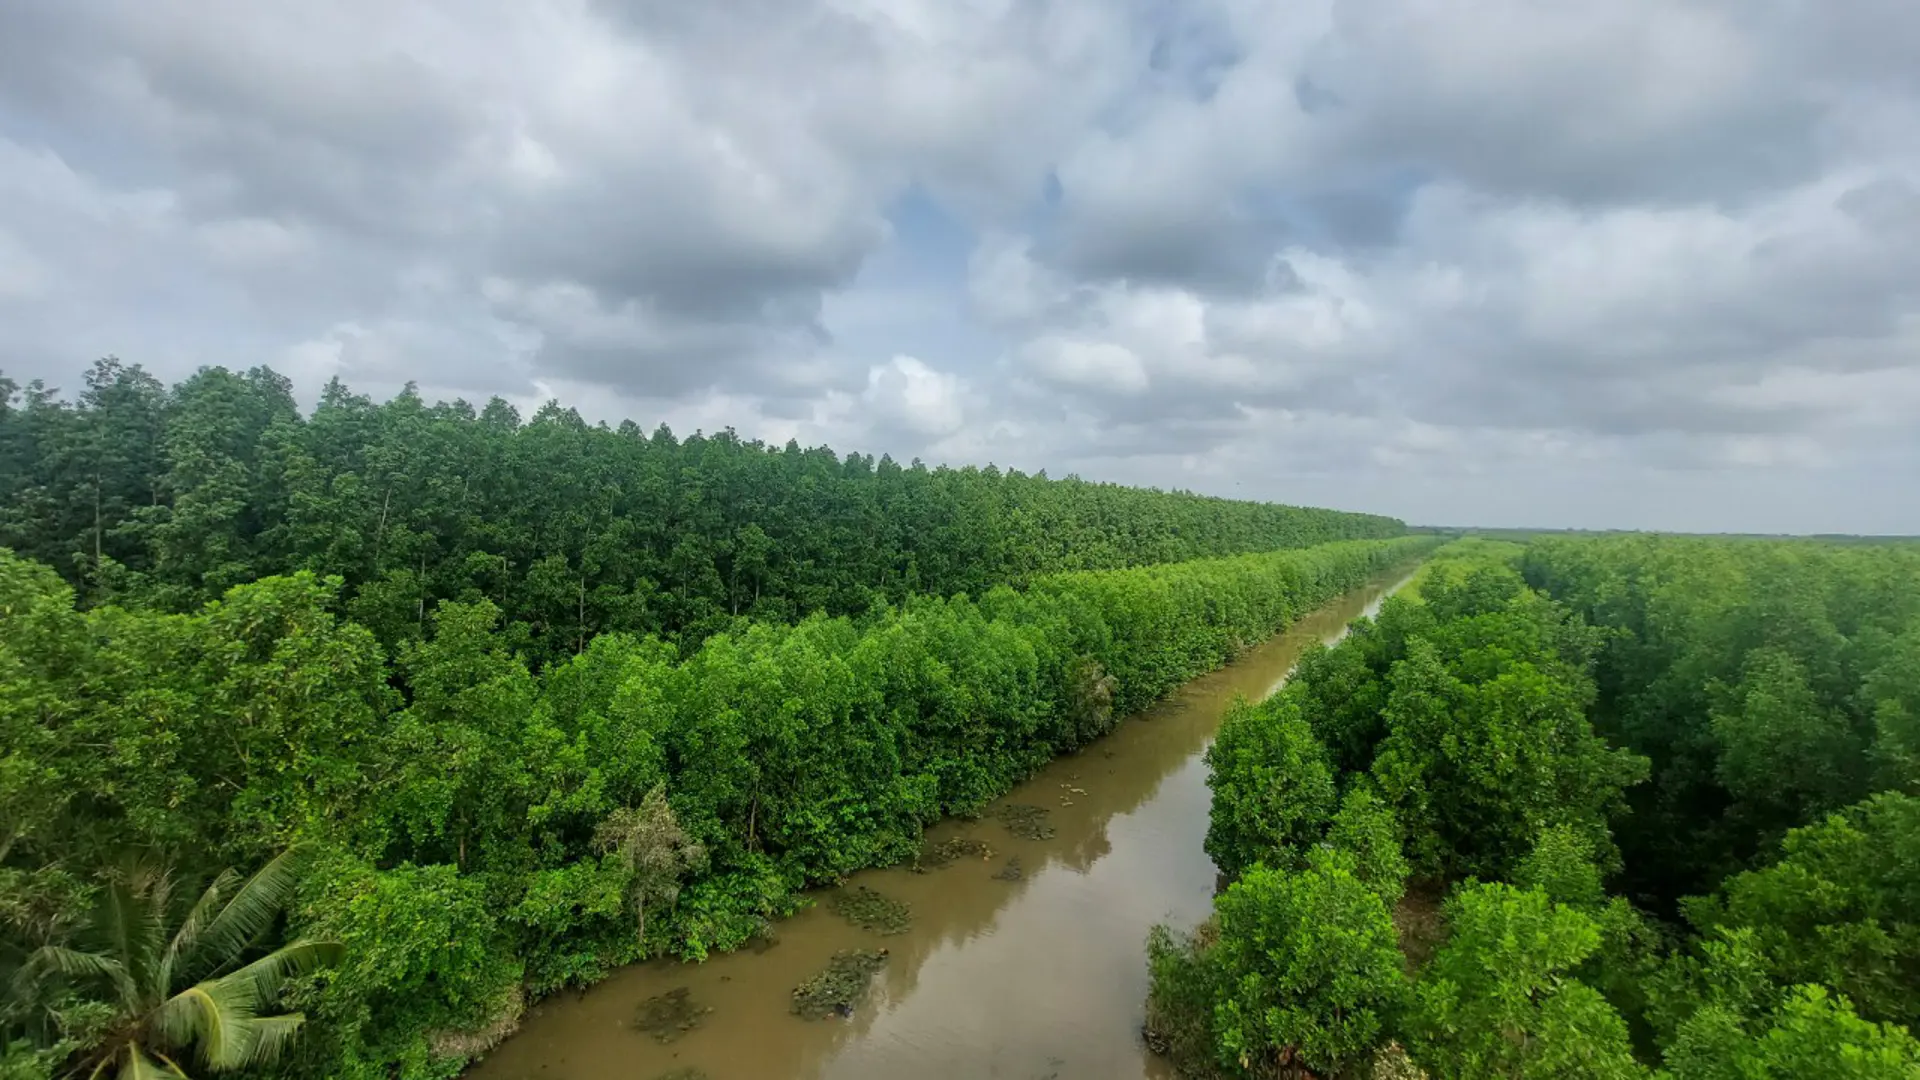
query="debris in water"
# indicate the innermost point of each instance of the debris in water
(840, 987)
(947, 852)
(1013, 871)
(684, 1074)
(668, 1016)
(870, 910)
(1026, 822)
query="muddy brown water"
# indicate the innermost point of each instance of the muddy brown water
(1038, 975)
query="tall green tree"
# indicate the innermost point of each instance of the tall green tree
(1310, 969)
(648, 841)
(1272, 789)
(1499, 1000)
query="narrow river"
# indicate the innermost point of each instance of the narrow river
(1038, 975)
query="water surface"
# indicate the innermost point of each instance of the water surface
(1040, 978)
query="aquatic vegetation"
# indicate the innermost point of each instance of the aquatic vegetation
(947, 852)
(872, 910)
(668, 1016)
(1026, 821)
(841, 987)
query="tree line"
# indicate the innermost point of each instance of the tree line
(477, 823)
(1596, 808)
(147, 495)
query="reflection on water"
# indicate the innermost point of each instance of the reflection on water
(1028, 976)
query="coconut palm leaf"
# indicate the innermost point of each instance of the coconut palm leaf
(271, 1037)
(267, 974)
(143, 958)
(247, 915)
(71, 964)
(138, 1066)
(176, 962)
(221, 1017)
(212, 1017)
(133, 921)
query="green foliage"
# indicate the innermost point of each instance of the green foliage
(173, 495)
(1811, 1034)
(1272, 790)
(1499, 999)
(1366, 829)
(182, 981)
(1562, 865)
(1725, 1019)
(1183, 985)
(1768, 682)
(1308, 965)
(551, 697)
(423, 951)
(1486, 738)
(1840, 907)
(1783, 755)
(1765, 688)
(574, 922)
(1890, 693)
(22, 1060)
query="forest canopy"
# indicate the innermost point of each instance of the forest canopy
(165, 497)
(450, 710)
(1628, 807)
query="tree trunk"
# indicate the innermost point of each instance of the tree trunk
(380, 531)
(96, 521)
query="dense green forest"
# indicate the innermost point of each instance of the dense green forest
(466, 706)
(1591, 808)
(166, 496)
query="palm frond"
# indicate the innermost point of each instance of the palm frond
(265, 976)
(271, 1037)
(72, 964)
(215, 1016)
(139, 1066)
(180, 951)
(221, 1018)
(132, 918)
(250, 912)
(119, 922)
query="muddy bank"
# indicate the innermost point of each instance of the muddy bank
(1023, 953)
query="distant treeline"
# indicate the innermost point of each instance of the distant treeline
(478, 830)
(166, 496)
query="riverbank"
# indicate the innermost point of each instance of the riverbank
(1023, 955)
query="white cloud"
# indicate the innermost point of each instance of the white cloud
(907, 392)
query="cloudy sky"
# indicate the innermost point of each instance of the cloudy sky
(1641, 263)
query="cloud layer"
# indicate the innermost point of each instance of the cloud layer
(1649, 263)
